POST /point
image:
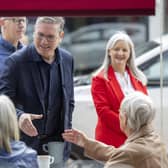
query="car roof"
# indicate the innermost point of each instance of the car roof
(102, 26)
(106, 25)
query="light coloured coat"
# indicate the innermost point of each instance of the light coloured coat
(141, 150)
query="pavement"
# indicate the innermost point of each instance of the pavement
(84, 164)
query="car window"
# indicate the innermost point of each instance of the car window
(82, 80)
(152, 70)
(108, 33)
(87, 37)
(145, 47)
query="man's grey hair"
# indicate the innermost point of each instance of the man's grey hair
(119, 35)
(51, 20)
(139, 109)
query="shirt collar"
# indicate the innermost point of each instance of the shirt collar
(37, 57)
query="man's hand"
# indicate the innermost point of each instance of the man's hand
(26, 125)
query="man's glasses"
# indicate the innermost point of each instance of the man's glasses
(49, 38)
(16, 20)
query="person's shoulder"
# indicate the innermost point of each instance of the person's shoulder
(30, 157)
(99, 75)
(21, 54)
(141, 145)
(64, 52)
(5, 47)
(99, 80)
(25, 150)
(30, 152)
(21, 155)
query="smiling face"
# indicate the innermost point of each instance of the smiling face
(119, 54)
(47, 37)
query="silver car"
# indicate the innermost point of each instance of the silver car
(87, 44)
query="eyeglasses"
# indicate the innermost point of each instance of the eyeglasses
(49, 38)
(16, 20)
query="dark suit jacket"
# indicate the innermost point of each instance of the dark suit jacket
(21, 82)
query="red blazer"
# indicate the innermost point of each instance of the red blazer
(107, 96)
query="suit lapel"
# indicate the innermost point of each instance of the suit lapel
(115, 85)
(53, 83)
(134, 81)
(62, 71)
(37, 82)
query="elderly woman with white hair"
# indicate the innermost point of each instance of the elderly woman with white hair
(117, 77)
(13, 153)
(142, 149)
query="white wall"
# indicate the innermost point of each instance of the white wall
(156, 23)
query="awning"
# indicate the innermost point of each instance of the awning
(77, 7)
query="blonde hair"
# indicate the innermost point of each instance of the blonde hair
(8, 123)
(131, 61)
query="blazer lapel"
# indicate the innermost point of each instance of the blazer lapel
(37, 82)
(62, 71)
(134, 81)
(114, 84)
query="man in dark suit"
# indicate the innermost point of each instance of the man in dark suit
(39, 79)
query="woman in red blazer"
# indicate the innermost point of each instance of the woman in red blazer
(117, 77)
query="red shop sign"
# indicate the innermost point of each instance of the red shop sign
(77, 7)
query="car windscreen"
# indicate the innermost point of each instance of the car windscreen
(144, 47)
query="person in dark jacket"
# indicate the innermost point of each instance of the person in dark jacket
(12, 31)
(13, 153)
(39, 79)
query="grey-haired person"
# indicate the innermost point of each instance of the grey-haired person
(12, 31)
(143, 148)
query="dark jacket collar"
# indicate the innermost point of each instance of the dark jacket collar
(35, 56)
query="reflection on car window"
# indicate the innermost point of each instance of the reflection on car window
(82, 80)
(152, 70)
(108, 33)
(144, 47)
(86, 37)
